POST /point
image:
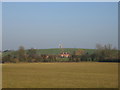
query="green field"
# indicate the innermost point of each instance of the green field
(60, 75)
(53, 51)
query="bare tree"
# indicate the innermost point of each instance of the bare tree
(21, 54)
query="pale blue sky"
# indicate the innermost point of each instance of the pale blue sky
(46, 25)
(0, 26)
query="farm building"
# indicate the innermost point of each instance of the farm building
(64, 54)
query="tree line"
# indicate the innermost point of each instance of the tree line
(102, 53)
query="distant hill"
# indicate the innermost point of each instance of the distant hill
(58, 51)
(54, 51)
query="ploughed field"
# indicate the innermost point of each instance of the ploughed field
(60, 75)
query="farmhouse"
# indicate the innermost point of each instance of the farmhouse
(64, 54)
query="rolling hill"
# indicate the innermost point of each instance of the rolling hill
(53, 51)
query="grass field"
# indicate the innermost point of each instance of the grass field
(60, 75)
(54, 51)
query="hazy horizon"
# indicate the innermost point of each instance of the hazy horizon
(46, 25)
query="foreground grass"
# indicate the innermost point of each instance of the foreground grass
(60, 75)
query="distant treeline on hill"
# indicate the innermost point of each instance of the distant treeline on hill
(101, 54)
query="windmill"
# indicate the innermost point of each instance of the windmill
(61, 48)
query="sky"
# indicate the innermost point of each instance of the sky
(44, 25)
(0, 26)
